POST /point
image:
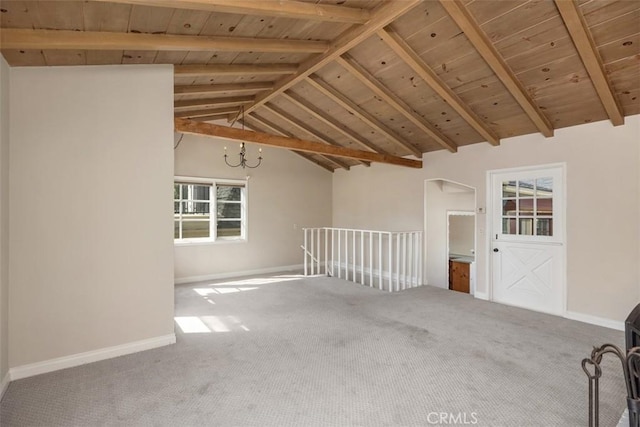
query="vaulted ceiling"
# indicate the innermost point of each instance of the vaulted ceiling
(384, 78)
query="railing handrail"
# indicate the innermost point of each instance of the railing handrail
(362, 231)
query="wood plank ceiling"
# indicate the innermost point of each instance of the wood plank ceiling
(389, 78)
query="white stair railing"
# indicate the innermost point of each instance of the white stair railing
(390, 261)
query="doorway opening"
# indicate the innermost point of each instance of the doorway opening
(450, 234)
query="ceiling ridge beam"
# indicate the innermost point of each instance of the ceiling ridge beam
(283, 115)
(272, 127)
(383, 15)
(586, 47)
(235, 100)
(395, 102)
(331, 122)
(222, 87)
(280, 8)
(337, 97)
(20, 38)
(233, 69)
(413, 60)
(207, 112)
(461, 16)
(225, 132)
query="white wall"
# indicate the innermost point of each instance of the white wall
(91, 250)
(4, 222)
(286, 193)
(603, 204)
(438, 202)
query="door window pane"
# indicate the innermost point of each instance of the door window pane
(526, 188)
(544, 227)
(526, 227)
(508, 226)
(508, 189)
(544, 207)
(527, 207)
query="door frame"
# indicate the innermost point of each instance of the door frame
(489, 224)
(450, 213)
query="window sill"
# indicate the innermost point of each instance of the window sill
(207, 242)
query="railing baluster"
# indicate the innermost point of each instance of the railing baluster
(404, 261)
(354, 278)
(306, 273)
(362, 257)
(390, 262)
(380, 261)
(410, 259)
(398, 261)
(370, 258)
(339, 253)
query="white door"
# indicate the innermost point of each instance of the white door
(527, 241)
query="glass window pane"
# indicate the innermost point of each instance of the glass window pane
(227, 193)
(509, 189)
(200, 192)
(229, 229)
(176, 207)
(509, 207)
(194, 229)
(544, 187)
(176, 229)
(526, 227)
(525, 188)
(544, 227)
(176, 191)
(544, 207)
(525, 207)
(195, 208)
(508, 226)
(229, 210)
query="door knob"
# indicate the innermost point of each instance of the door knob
(495, 249)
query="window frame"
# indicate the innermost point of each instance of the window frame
(213, 184)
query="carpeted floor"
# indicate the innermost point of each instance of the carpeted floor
(292, 351)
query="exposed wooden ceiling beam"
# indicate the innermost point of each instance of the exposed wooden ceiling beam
(485, 48)
(224, 132)
(210, 117)
(315, 135)
(273, 128)
(219, 88)
(234, 69)
(18, 38)
(280, 8)
(383, 15)
(207, 112)
(582, 39)
(219, 102)
(395, 102)
(363, 115)
(413, 60)
(330, 121)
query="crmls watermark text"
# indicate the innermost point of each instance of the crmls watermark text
(452, 418)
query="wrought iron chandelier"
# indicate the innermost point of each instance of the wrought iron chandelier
(243, 159)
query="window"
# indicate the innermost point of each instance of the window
(209, 210)
(527, 207)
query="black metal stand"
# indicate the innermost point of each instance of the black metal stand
(631, 369)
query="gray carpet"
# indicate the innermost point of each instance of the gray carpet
(289, 351)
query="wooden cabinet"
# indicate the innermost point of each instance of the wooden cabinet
(459, 273)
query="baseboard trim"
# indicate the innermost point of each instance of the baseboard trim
(481, 295)
(216, 276)
(4, 385)
(595, 320)
(78, 359)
